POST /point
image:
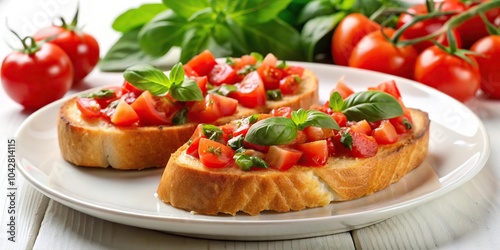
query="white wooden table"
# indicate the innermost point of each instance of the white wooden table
(466, 218)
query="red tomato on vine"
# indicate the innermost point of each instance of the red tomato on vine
(375, 52)
(82, 48)
(347, 34)
(36, 75)
(488, 59)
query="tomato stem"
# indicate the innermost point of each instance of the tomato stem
(28, 49)
(492, 30)
(454, 21)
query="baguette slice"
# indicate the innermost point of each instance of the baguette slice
(97, 143)
(188, 185)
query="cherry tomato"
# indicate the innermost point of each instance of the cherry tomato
(82, 48)
(374, 52)
(89, 107)
(448, 73)
(270, 75)
(251, 92)
(431, 25)
(223, 73)
(289, 84)
(347, 34)
(212, 108)
(489, 48)
(282, 111)
(36, 76)
(215, 155)
(145, 107)
(474, 28)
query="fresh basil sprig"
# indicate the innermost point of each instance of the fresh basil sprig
(367, 105)
(246, 162)
(102, 93)
(282, 130)
(212, 132)
(147, 77)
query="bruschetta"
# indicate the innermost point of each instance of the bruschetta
(141, 123)
(352, 146)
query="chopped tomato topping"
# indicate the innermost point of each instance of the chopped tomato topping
(124, 114)
(343, 89)
(385, 133)
(145, 107)
(388, 87)
(214, 154)
(282, 158)
(283, 111)
(202, 63)
(362, 127)
(251, 92)
(289, 84)
(89, 107)
(223, 74)
(313, 153)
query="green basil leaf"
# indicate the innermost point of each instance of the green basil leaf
(255, 11)
(195, 41)
(102, 93)
(212, 132)
(276, 36)
(180, 117)
(313, 118)
(257, 56)
(186, 9)
(124, 53)
(137, 17)
(319, 119)
(235, 142)
(336, 101)
(187, 90)
(272, 131)
(163, 32)
(371, 106)
(315, 29)
(274, 95)
(147, 77)
(176, 74)
(346, 139)
(246, 162)
(315, 9)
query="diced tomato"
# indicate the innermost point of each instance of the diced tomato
(289, 84)
(388, 87)
(227, 106)
(385, 133)
(89, 107)
(260, 148)
(317, 133)
(295, 70)
(283, 111)
(202, 82)
(145, 107)
(189, 72)
(343, 89)
(104, 101)
(202, 63)
(192, 149)
(362, 127)
(223, 73)
(402, 123)
(270, 75)
(313, 153)
(362, 145)
(251, 92)
(124, 115)
(243, 61)
(205, 111)
(340, 118)
(301, 138)
(128, 87)
(215, 155)
(270, 59)
(282, 158)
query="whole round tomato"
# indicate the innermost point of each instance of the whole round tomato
(448, 73)
(37, 77)
(431, 25)
(347, 34)
(489, 48)
(474, 28)
(374, 52)
(82, 48)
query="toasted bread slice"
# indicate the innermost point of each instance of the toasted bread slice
(188, 185)
(97, 143)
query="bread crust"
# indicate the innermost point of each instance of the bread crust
(96, 143)
(188, 185)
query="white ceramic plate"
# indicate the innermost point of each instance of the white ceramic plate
(459, 148)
